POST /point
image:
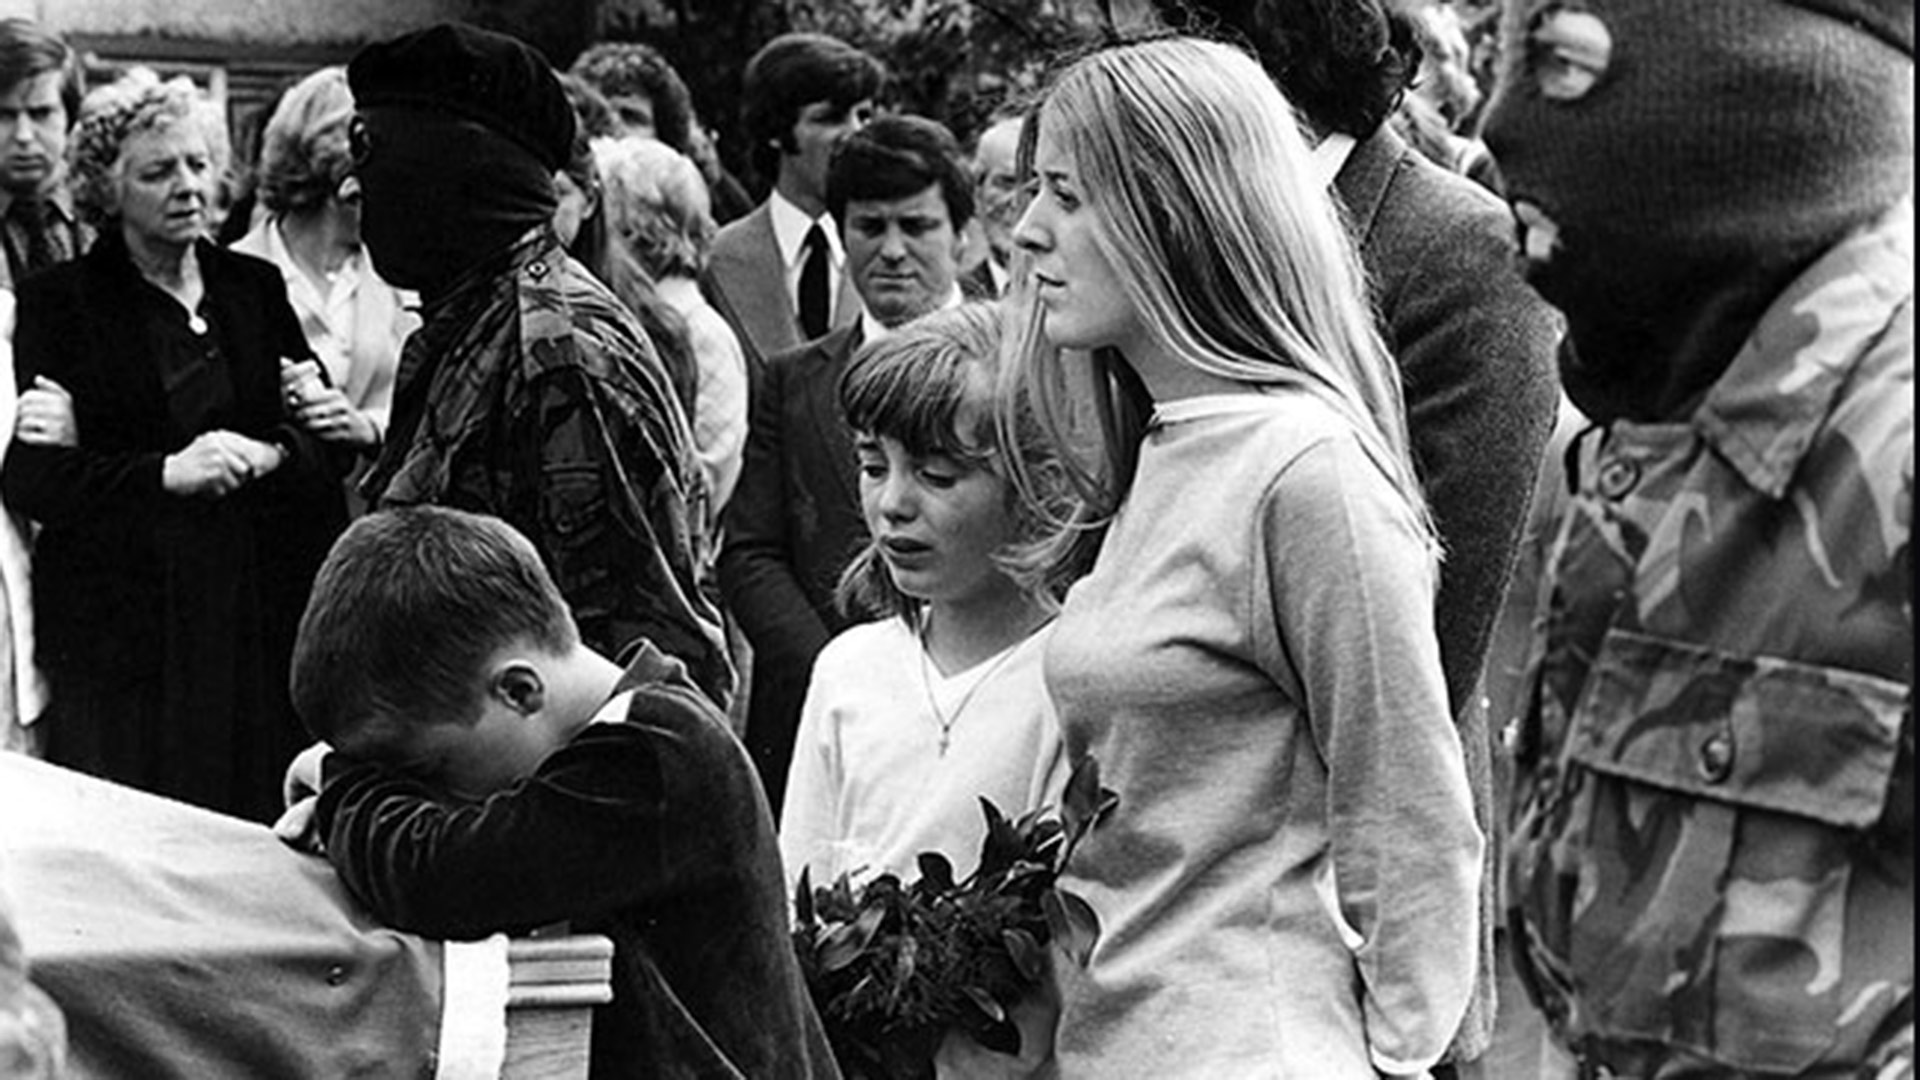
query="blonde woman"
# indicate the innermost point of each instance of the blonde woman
(656, 204)
(354, 321)
(1289, 885)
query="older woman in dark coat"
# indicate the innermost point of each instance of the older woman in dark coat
(181, 533)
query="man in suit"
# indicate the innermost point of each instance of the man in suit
(778, 275)
(901, 193)
(1476, 348)
(39, 98)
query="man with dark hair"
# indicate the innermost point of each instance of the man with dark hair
(1474, 345)
(39, 98)
(778, 274)
(902, 195)
(530, 392)
(490, 772)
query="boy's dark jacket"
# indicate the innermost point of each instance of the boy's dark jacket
(652, 831)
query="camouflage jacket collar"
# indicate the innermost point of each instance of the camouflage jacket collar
(482, 281)
(1764, 412)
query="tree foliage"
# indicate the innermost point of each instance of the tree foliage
(955, 60)
(952, 60)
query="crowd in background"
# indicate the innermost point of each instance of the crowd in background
(1467, 521)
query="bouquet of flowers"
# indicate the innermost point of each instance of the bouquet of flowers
(894, 967)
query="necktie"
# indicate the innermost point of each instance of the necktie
(813, 284)
(36, 249)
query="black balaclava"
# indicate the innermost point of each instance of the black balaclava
(1676, 163)
(440, 193)
(460, 133)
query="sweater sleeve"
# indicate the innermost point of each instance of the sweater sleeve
(1351, 587)
(61, 484)
(720, 412)
(811, 805)
(620, 816)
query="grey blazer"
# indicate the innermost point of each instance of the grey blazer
(746, 282)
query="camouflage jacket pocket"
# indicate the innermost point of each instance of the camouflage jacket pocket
(579, 539)
(1696, 877)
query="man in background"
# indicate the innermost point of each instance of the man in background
(778, 275)
(39, 98)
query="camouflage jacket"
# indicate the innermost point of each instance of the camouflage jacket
(529, 393)
(1711, 866)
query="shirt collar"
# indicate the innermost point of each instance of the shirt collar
(1763, 413)
(496, 272)
(790, 225)
(1330, 155)
(58, 196)
(280, 255)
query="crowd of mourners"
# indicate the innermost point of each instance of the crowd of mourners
(1468, 524)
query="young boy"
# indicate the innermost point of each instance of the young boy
(491, 773)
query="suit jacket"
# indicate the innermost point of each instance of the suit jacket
(746, 281)
(793, 525)
(977, 283)
(1476, 349)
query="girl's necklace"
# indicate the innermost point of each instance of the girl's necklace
(945, 719)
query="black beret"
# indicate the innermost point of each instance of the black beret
(489, 78)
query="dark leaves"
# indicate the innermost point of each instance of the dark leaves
(803, 897)
(893, 969)
(936, 873)
(1072, 923)
(844, 943)
(1028, 955)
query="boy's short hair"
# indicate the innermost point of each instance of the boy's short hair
(791, 72)
(405, 613)
(28, 50)
(896, 157)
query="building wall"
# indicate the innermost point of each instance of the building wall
(241, 23)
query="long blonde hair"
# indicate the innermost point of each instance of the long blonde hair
(1230, 250)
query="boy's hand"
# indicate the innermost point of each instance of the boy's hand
(303, 775)
(301, 790)
(295, 828)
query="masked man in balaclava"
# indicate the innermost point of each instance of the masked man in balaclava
(1711, 870)
(529, 393)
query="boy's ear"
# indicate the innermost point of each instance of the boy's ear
(519, 686)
